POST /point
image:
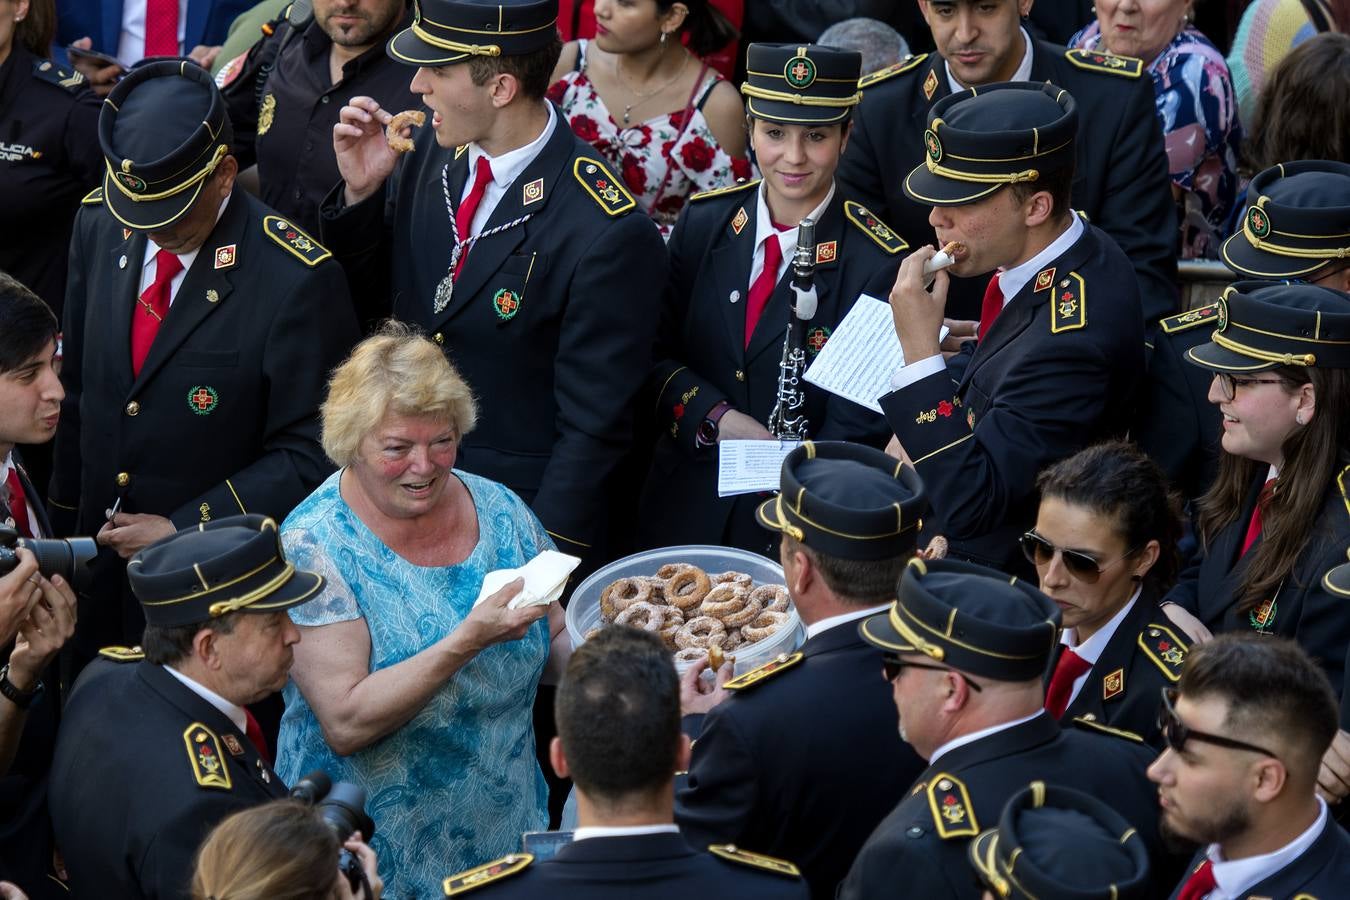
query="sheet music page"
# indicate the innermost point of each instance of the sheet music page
(745, 467)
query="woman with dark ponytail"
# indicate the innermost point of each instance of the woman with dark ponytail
(642, 95)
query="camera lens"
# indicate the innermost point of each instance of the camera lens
(344, 809)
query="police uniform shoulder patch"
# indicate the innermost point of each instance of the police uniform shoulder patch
(206, 757)
(47, 70)
(1068, 304)
(1164, 649)
(1091, 724)
(604, 188)
(890, 71)
(1191, 318)
(762, 673)
(1110, 63)
(729, 189)
(93, 198)
(511, 864)
(732, 853)
(294, 241)
(949, 802)
(874, 228)
(122, 654)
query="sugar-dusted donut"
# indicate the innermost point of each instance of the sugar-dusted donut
(763, 626)
(773, 597)
(646, 616)
(621, 594)
(686, 586)
(701, 631)
(732, 604)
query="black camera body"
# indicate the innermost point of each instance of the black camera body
(342, 807)
(68, 558)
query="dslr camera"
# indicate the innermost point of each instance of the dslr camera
(342, 807)
(68, 558)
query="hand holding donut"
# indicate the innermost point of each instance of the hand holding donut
(365, 159)
(696, 697)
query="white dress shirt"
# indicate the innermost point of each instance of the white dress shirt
(978, 735)
(787, 240)
(28, 501)
(826, 624)
(1023, 72)
(505, 169)
(604, 831)
(131, 45)
(148, 265)
(232, 711)
(1091, 650)
(1234, 878)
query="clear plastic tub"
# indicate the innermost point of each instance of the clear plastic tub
(583, 611)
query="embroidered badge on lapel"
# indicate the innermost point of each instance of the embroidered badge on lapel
(930, 84)
(533, 192)
(295, 241)
(507, 303)
(953, 813)
(826, 252)
(126, 234)
(225, 256)
(1263, 616)
(1166, 651)
(1045, 278)
(232, 744)
(205, 510)
(603, 187)
(738, 223)
(208, 765)
(970, 418)
(212, 295)
(1068, 307)
(768, 670)
(266, 113)
(1113, 685)
(486, 873)
(817, 338)
(202, 399)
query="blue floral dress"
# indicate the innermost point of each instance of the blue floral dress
(457, 784)
(1193, 90)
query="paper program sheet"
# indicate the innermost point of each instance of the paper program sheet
(744, 467)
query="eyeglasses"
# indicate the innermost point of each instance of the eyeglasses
(892, 666)
(1039, 552)
(1229, 384)
(1176, 732)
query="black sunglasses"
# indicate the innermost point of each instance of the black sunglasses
(1176, 732)
(1039, 552)
(892, 666)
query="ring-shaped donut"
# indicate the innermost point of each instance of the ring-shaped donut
(621, 594)
(642, 615)
(701, 631)
(764, 625)
(773, 597)
(732, 604)
(737, 578)
(686, 588)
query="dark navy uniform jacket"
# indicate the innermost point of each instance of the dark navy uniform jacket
(1124, 687)
(223, 417)
(551, 321)
(651, 866)
(144, 769)
(1058, 371)
(1121, 181)
(49, 159)
(702, 358)
(1302, 609)
(1320, 873)
(802, 765)
(919, 850)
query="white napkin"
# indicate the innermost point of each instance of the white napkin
(545, 577)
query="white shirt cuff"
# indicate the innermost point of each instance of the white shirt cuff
(917, 370)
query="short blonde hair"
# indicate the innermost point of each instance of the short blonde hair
(278, 851)
(396, 370)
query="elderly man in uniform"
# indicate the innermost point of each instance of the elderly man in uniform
(283, 95)
(618, 713)
(1121, 183)
(199, 331)
(156, 747)
(1245, 730)
(964, 648)
(504, 238)
(1060, 344)
(848, 518)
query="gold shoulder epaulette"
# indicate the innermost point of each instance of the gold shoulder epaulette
(1190, 319)
(1090, 723)
(1068, 304)
(729, 189)
(762, 673)
(874, 228)
(208, 762)
(732, 853)
(294, 241)
(603, 187)
(511, 864)
(93, 198)
(1097, 61)
(122, 654)
(1167, 651)
(50, 71)
(949, 802)
(890, 71)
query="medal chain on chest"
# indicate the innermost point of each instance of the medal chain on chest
(446, 288)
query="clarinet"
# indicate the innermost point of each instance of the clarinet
(788, 419)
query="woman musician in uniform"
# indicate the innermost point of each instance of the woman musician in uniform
(721, 349)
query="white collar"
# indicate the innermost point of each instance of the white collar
(233, 711)
(1023, 72)
(787, 240)
(151, 248)
(816, 628)
(6, 466)
(1233, 877)
(979, 735)
(1091, 650)
(604, 831)
(1010, 281)
(507, 167)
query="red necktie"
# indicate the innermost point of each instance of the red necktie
(464, 217)
(1199, 884)
(161, 27)
(18, 503)
(991, 306)
(1069, 669)
(152, 307)
(255, 736)
(763, 287)
(1255, 525)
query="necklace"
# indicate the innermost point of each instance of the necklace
(641, 97)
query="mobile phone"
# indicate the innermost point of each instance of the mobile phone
(103, 59)
(544, 844)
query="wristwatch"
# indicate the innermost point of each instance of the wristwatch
(21, 699)
(706, 435)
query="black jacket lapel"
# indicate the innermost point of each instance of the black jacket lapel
(768, 334)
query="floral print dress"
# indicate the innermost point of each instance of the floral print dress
(662, 160)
